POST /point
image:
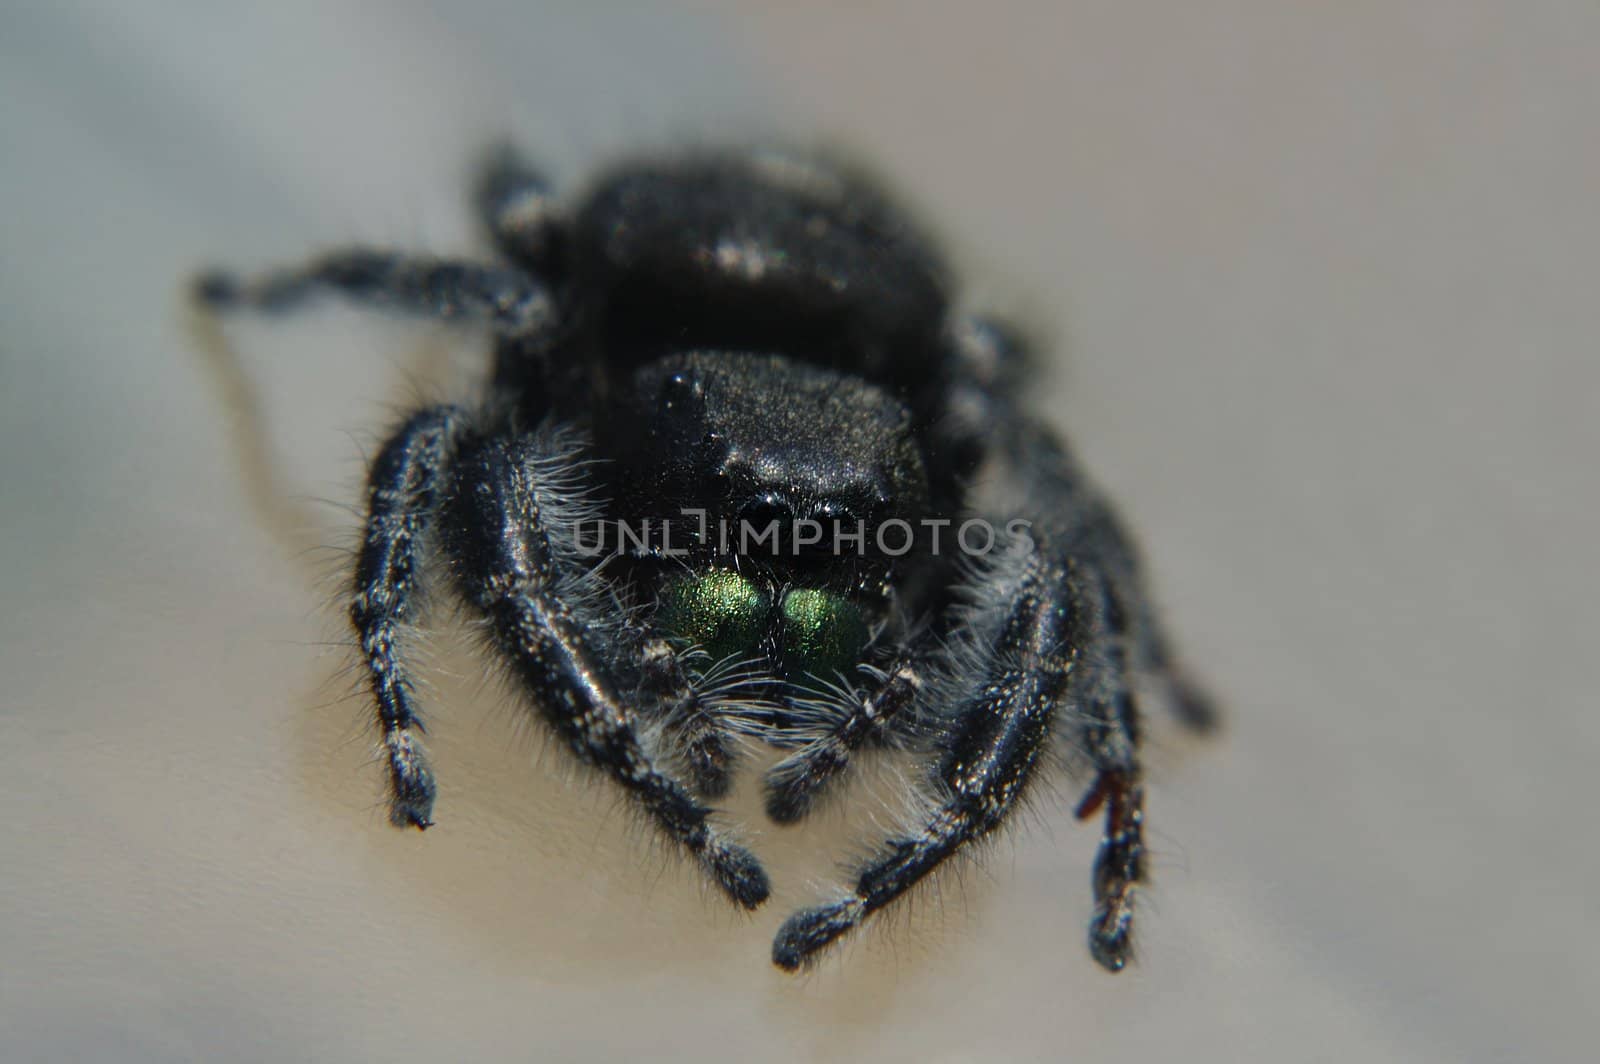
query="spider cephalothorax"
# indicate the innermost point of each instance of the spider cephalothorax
(741, 473)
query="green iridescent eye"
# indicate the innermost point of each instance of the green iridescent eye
(823, 634)
(721, 612)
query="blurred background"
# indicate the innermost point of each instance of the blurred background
(1320, 284)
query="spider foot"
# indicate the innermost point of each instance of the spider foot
(412, 784)
(1119, 868)
(217, 290)
(1111, 936)
(794, 783)
(736, 871)
(811, 930)
(1194, 707)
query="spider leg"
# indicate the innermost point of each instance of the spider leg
(1099, 535)
(404, 491)
(795, 783)
(705, 742)
(986, 361)
(1108, 730)
(514, 204)
(1121, 634)
(507, 300)
(1191, 704)
(988, 752)
(508, 570)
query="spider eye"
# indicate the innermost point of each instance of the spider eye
(720, 612)
(823, 634)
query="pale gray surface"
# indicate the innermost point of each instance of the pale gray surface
(1325, 276)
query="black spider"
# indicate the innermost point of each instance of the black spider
(752, 341)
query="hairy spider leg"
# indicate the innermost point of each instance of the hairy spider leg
(507, 300)
(1191, 704)
(514, 203)
(1106, 717)
(1115, 626)
(988, 355)
(507, 570)
(405, 487)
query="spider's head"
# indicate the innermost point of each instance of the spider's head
(792, 488)
(764, 441)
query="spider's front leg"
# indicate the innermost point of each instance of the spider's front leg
(405, 489)
(556, 646)
(987, 754)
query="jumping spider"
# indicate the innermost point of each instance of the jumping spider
(757, 340)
